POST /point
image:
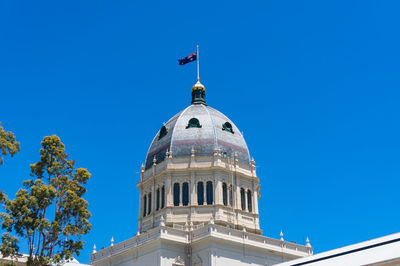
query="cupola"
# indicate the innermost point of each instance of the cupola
(198, 93)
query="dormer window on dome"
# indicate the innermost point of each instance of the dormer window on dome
(194, 122)
(163, 132)
(227, 127)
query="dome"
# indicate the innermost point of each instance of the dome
(201, 128)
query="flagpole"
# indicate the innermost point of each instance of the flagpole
(198, 63)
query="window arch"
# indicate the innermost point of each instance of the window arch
(243, 202)
(194, 122)
(249, 201)
(163, 132)
(185, 194)
(144, 205)
(158, 199)
(224, 194)
(228, 127)
(149, 208)
(200, 193)
(176, 194)
(210, 193)
(162, 197)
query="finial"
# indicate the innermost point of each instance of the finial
(112, 241)
(308, 243)
(192, 152)
(166, 153)
(215, 150)
(142, 167)
(154, 160)
(94, 249)
(252, 161)
(281, 234)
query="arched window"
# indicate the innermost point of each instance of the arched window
(163, 132)
(176, 194)
(249, 201)
(224, 194)
(230, 196)
(144, 205)
(200, 193)
(243, 202)
(194, 122)
(149, 208)
(209, 193)
(185, 194)
(227, 127)
(162, 197)
(158, 199)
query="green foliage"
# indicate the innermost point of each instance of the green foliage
(49, 211)
(7, 263)
(8, 143)
(9, 247)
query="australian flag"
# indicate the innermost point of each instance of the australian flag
(188, 59)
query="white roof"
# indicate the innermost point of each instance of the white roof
(383, 249)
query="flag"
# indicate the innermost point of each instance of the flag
(188, 59)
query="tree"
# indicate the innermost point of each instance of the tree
(50, 212)
(8, 143)
(9, 247)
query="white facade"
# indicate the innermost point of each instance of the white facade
(198, 204)
(216, 170)
(208, 244)
(198, 199)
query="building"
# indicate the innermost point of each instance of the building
(198, 201)
(198, 204)
(383, 251)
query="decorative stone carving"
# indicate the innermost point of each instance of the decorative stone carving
(178, 261)
(197, 261)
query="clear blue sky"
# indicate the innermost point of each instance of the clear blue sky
(314, 86)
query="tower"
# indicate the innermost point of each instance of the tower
(198, 198)
(198, 168)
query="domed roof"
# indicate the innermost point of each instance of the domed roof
(201, 128)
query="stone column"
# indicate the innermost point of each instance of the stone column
(180, 194)
(193, 198)
(159, 200)
(205, 192)
(140, 210)
(255, 201)
(238, 198)
(168, 193)
(153, 200)
(218, 192)
(140, 203)
(245, 201)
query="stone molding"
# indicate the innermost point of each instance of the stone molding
(196, 235)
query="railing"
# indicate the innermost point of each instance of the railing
(180, 233)
(198, 226)
(178, 226)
